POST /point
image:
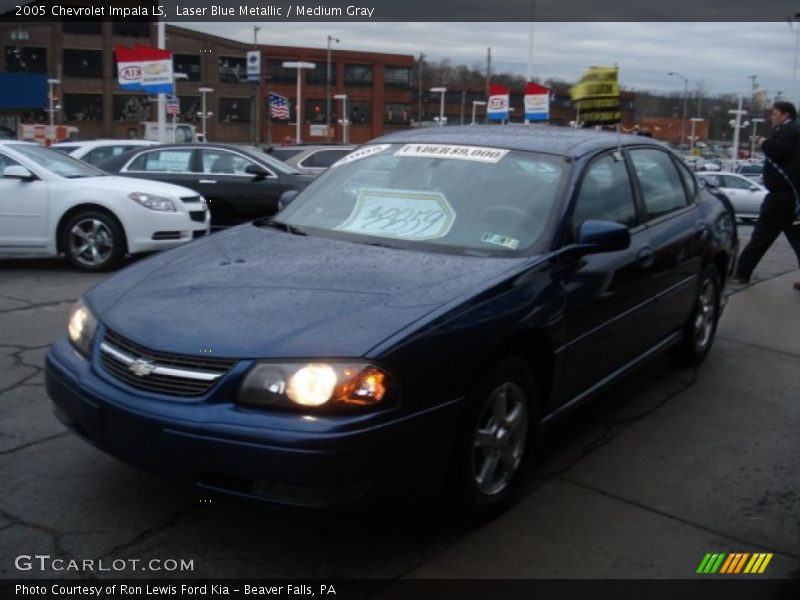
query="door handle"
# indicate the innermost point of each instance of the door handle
(208, 181)
(701, 229)
(646, 257)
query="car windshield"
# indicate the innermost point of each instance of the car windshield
(471, 199)
(56, 162)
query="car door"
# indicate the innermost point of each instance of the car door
(678, 233)
(23, 209)
(170, 165)
(233, 194)
(607, 295)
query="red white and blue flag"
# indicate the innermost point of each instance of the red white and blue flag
(537, 102)
(145, 69)
(497, 107)
(278, 107)
(173, 105)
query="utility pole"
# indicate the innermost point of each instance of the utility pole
(419, 87)
(488, 69)
(753, 88)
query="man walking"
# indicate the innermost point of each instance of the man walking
(782, 179)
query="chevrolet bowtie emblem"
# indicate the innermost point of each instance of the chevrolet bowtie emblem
(141, 367)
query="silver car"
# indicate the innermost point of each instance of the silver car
(745, 194)
(311, 159)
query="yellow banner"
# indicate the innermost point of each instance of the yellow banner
(597, 82)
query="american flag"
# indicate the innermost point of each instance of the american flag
(278, 107)
(173, 105)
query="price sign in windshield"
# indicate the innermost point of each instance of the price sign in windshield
(400, 214)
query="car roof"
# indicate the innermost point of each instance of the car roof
(550, 139)
(82, 143)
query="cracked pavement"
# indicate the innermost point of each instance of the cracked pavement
(668, 465)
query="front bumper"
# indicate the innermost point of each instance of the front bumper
(281, 458)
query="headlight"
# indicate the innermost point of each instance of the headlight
(81, 328)
(321, 386)
(153, 201)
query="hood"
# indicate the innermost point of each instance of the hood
(134, 184)
(259, 292)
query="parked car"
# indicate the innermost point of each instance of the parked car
(744, 194)
(240, 183)
(96, 151)
(415, 317)
(311, 159)
(754, 171)
(53, 204)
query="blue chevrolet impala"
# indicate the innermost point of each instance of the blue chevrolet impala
(408, 323)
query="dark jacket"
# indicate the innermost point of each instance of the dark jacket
(782, 150)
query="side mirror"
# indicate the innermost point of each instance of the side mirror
(18, 172)
(257, 171)
(603, 236)
(286, 198)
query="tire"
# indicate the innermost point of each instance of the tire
(93, 241)
(488, 458)
(699, 331)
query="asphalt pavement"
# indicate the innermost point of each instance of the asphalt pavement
(641, 483)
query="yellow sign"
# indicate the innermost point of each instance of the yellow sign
(597, 82)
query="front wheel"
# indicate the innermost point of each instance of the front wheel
(93, 241)
(699, 331)
(495, 440)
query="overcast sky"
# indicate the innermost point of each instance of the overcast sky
(721, 56)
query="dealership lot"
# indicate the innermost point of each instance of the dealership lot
(643, 482)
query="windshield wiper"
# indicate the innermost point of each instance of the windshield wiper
(279, 225)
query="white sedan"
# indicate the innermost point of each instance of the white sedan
(745, 194)
(96, 151)
(53, 204)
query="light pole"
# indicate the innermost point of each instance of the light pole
(345, 122)
(419, 87)
(737, 125)
(755, 121)
(299, 65)
(474, 104)
(442, 91)
(51, 83)
(695, 121)
(685, 99)
(256, 94)
(328, 90)
(205, 114)
(794, 21)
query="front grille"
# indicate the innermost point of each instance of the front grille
(191, 199)
(198, 215)
(117, 352)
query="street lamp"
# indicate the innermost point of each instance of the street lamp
(755, 121)
(328, 90)
(205, 114)
(685, 99)
(737, 125)
(695, 121)
(442, 91)
(474, 104)
(299, 65)
(344, 121)
(52, 111)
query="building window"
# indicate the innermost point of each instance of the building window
(232, 69)
(132, 27)
(83, 107)
(360, 113)
(190, 108)
(23, 59)
(83, 63)
(82, 27)
(319, 74)
(397, 77)
(315, 112)
(128, 107)
(396, 114)
(188, 64)
(278, 74)
(357, 75)
(234, 110)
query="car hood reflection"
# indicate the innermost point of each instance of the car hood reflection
(259, 292)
